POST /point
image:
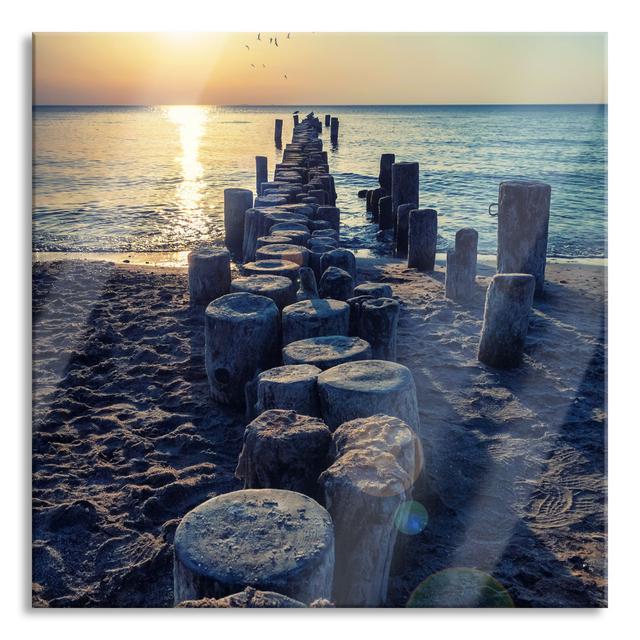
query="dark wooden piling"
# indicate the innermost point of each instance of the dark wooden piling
(423, 237)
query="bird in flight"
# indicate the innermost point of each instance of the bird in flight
(258, 36)
(270, 40)
(276, 42)
(253, 65)
(246, 45)
(264, 66)
(288, 36)
(296, 112)
(285, 76)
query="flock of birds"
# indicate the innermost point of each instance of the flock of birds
(273, 40)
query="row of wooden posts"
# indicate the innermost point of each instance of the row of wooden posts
(333, 447)
(334, 426)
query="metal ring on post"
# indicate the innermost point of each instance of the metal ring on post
(493, 204)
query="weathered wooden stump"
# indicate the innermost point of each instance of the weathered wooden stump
(308, 289)
(402, 229)
(523, 228)
(341, 258)
(376, 194)
(365, 388)
(237, 539)
(327, 120)
(312, 318)
(374, 289)
(323, 244)
(355, 307)
(284, 450)
(363, 490)
(320, 195)
(284, 268)
(335, 127)
(330, 215)
(269, 200)
(290, 252)
(263, 241)
(292, 387)
(460, 278)
(326, 352)
(506, 319)
(209, 274)
(262, 173)
(405, 183)
(296, 120)
(277, 134)
(279, 288)
(379, 326)
(325, 233)
(385, 213)
(423, 238)
(384, 177)
(336, 283)
(250, 598)
(241, 331)
(236, 203)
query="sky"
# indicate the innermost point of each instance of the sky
(320, 68)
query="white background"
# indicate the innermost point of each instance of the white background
(21, 18)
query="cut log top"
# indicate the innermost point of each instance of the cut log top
(319, 307)
(375, 289)
(327, 351)
(207, 253)
(240, 306)
(261, 284)
(368, 376)
(250, 598)
(253, 536)
(283, 424)
(537, 184)
(289, 374)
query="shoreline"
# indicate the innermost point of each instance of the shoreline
(178, 259)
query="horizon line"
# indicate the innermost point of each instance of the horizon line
(300, 104)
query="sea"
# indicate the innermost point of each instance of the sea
(129, 179)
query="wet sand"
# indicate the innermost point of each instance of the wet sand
(126, 441)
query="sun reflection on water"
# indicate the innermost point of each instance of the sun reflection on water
(190, 121)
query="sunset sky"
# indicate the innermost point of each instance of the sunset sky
(321, 68)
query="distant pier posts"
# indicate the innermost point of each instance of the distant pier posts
(240, 335)
(278, 131)
(335, 125)
(262, 173)
(209, 274)
(327, 119)
(405, 184)
(506, 319)
(423, 237)
(402, 228)
(295, 120)
(384, 177)
(523, 228)
(215, 546)
(236, 202)
(460, 278)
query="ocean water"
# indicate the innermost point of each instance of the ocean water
(152, 178)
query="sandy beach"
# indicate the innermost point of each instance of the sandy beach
(126, 440)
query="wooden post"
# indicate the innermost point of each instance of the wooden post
(523, 228)
(209, 274)
(402, 228)
(236, 203)
(262, 173)
(379, 326)
(385, 213)
(405, 184)
(335, 125)
(327, 120)
(460, 278)
(423, 238)
(278, 131)
(295, 120)
(506, 319)
(384, 177)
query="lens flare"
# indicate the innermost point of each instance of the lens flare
(460, 587)
(411, 518)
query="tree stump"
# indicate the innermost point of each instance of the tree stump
(341, 258)
(284, 450)
(523, 228)
(284, 268)
(313, 318)
(379, 326)
(405, 183)
(293, 253)
(209, 274)
(292, 387)
(237, 539)
(423, 238)
(460, 278)
(279, 288)
(506, 319)
(365, 388)
(326, 352)
(337, 284)
(241, 339)
(373, 289)
(308, 289)
(363, 490)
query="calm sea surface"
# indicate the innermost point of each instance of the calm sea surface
(152, 178)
